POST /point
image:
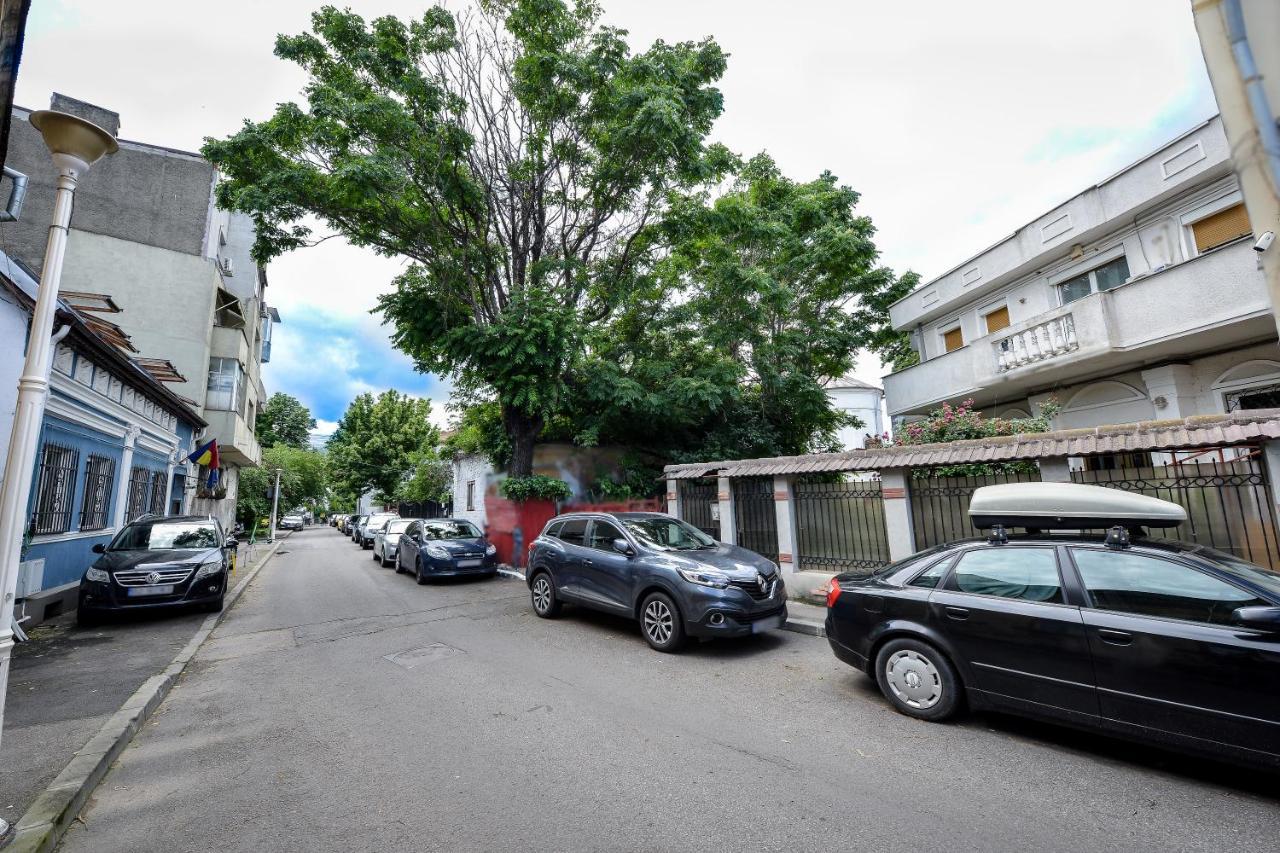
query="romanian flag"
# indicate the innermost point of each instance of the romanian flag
(207, 455)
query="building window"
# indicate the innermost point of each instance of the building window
(471, 495)
(1220, 228)
(997, 319)
(1109, 275)
(155, 505)
(176, 494)
(55, 489)
(139, 479)
(99, 478)
(1261, 397)
(226, 390)
(952, 339)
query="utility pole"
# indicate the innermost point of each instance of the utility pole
(275, 505)
(76, 145)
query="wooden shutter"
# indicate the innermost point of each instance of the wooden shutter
(1222, 227)
(998, 319)
(953, 339)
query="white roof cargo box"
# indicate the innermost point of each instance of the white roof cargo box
(1069, 506)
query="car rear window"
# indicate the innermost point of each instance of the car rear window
(1009, 572)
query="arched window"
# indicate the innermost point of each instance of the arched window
(1251, 385)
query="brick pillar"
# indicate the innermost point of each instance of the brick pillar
(675, 507)
(784, 504)
(724, 498)
(897, 512)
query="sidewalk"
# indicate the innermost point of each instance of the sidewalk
(68, 681)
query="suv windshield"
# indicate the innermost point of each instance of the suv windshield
(668, 534)
(449, 530)
(167, 535)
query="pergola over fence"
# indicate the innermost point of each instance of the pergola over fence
(862, 508)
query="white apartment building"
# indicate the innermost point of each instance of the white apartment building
(1140, 298)
(862, 400)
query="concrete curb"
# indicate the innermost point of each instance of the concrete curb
(46, 820)
(800, 626)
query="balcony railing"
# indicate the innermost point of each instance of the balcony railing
(1037, 343)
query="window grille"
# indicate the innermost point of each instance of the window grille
(55, 489)
(139, 479)
(156, 505)
(99, 477)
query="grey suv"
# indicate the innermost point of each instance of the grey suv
(677, 581)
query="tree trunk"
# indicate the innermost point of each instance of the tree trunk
(523, 430)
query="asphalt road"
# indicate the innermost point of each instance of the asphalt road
(342, 707)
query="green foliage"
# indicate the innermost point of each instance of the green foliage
(432, 480)
(517, 156)
(304, 481)
(284, 420)
(963, 422)
(380, 440)
(535, 487)
(637, 478)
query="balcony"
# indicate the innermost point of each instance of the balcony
(236, 442)
(1210, 303)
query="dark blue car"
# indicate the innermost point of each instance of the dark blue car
(677, 581)
(445, 547)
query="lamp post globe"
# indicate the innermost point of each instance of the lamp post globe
(75, 145)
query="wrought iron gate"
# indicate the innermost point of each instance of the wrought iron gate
(756, 519)
(696, 499)
(940, 505)
(840, 526)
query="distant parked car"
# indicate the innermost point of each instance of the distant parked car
(353, 529)
(158, 562)
(291, 522)
(445, 547)
(375, 524)
(676, 580)
(386, 542)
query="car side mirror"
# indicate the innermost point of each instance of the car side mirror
(1258, 618)
(622, 546)
(231, 542)
(99, 548)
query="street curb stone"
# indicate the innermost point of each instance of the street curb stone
(46, 820)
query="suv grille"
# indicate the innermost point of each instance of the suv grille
(754, 590)
(164, 575)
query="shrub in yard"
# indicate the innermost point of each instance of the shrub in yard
(963, 422)
(535, 487)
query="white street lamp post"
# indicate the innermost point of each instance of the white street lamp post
(76, 145)
(275, 504)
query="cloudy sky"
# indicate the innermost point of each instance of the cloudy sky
(957, 122)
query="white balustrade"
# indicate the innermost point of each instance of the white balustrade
(1037, 343)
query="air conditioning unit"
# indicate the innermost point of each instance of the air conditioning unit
(228, 268)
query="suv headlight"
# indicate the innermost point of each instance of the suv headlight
(212, 567)
(438, 552)
(705, 577)
(97, 575)
(490, 550)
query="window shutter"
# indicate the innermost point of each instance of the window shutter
(953, 339)
(998, 319)
(1222, 227)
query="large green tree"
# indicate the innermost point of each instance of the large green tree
(379, 441)
(516, 154)
(284, 420)
(304, 481)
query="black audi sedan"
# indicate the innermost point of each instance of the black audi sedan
(445, 547)
(676, 580)
(1151, 639)
(158, 562)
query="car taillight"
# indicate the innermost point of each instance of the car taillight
(833, 592)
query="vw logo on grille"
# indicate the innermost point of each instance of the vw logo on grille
(153, 578)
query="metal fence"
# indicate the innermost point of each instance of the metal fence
(1224, 491)
(696, 499)
(840, 526)
(940, 505)
(423, 509)
(755, 516)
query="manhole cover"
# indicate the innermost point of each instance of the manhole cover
(427, 654)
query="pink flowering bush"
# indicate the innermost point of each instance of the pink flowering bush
(962, 422)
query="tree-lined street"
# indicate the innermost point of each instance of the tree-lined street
(340, 706)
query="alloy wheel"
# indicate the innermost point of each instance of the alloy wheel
(658, 621)
(914, 679)
(542, 594)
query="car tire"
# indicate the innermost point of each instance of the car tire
(542, 592)
(382, 560)
(661, 623)
(918, 680)
(215, 606)
(417, 573)
(87, 618)
(374, 554)
(399, 565)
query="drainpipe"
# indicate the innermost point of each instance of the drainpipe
(17, 195)
(1233, 14)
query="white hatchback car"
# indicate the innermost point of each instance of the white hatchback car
(387, 540)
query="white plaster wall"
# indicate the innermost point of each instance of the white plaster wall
(467, 468)
(13, 351)
(865, 405)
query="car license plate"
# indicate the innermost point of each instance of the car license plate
(469, 564)
(767, 624)
(151, 590)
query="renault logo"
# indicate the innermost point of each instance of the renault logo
(761, 581)
(153, 578)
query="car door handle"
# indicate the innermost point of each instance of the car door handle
(957, 612)
(587, 562)
(1115, 638)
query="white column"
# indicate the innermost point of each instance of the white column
(675, 504)
(168, 486)
(897, 513)
(724, 500)
(122, 485)
(1055, 469)
(784, 506)
(1172, 391)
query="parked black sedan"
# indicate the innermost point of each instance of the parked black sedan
(158, 562)
(673, 578)
(445, 547)
(1152, 639)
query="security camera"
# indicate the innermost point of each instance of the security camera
(1265, 241)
